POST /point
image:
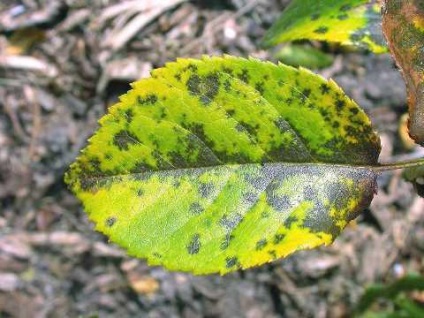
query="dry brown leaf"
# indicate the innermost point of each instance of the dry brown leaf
(403, 26)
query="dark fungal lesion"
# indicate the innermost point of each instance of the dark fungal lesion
(193, 247)
(340, 104)
(227, 86)
(129, 115)
(320, 220)
(206, 189)
(342, 17)
(290, 221)
(307, 92)
(205, 87)
(110, 221)
(260, 87)
(230, 222)
(149, 99)
(321, 30)
(230, 262)
(225, 243)
(261, 244)
(345, 7)
(278, 238)
(123, 139)
(324, 88)
(315, 16)
(273, 254)
(244, 76)
(195, 208)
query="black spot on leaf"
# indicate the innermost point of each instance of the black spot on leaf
(206, 189)
(260, 87)
(250, 198)
(345, 7)
(324, 88)
(195, 208)
(261, 244)
(123, 139)
(205, 87)
(193, 246)
(340, 104)
(110, 221)
(315, 16)
(342, 17)
(273, 254)
(278, 238)
(289, 221)
(230, 222)
(354, 110)
(129, 115)
(227, 86)
(231, 262)
(319, 220)
(147, 100)
(244, 76)
(226, 241)
(306, 92)
(321, 30)
(278, 202)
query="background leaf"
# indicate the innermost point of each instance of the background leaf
(393, 291)
(415, 175)
(224, 163)
(349, 22)
(306, 56)
(403, 26)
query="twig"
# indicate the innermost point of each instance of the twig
(217, 24)
(36, 119)
(28, 63)
(53, 12)
(148, 12)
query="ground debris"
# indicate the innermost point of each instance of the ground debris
(53, 89)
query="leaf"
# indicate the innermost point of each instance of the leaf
(299, 55)
(223, 163)
(415, 175)
(391, 291)
(403, 26)
(349, 22)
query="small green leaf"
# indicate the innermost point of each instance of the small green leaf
(415, 175)
(299, 55)
(223, 163)
(392, 292)
(349, 22)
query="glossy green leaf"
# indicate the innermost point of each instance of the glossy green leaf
(223, 163)
(349, 22)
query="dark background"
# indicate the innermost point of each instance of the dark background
(62, 63)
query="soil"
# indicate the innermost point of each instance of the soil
(62, 63)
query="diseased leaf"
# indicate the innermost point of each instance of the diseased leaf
(403, 26)
(223, 163)
(349, 22)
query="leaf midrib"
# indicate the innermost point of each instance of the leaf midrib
(373, 168)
